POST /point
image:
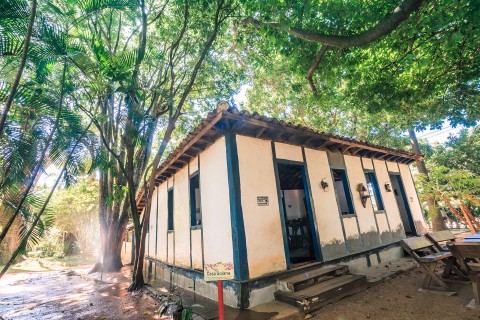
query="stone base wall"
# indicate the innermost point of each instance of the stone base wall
(258, 291)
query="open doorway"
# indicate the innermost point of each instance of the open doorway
(299, 226)
(403, 207)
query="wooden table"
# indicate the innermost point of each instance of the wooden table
(467, 253)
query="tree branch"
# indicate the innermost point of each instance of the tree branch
(315, 65)
(383, 28)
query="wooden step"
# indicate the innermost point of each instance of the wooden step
(312, 277)
(325, 292)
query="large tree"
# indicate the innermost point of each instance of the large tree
(140, 74)
(414, 63)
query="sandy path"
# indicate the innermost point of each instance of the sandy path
(72, 295)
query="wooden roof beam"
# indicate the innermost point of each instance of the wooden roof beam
(260, 132)
(322, 144)
(309, 139)
(354, 153)
(291, 130)
(183, 151)
(345, 148)
(334, 147)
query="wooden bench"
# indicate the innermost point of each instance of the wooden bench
(467, 254)
(453, 270)
(440, 238)
(428, 257)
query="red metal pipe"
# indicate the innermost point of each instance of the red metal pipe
(220, 299)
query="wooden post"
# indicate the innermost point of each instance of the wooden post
(467, 213)
(220, 300)
(454, 211)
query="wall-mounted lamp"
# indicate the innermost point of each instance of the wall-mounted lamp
(363, 195)
(324, 185)
(388, 187)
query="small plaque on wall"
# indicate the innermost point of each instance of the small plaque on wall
(262, 201)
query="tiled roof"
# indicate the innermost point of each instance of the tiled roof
(225, 118)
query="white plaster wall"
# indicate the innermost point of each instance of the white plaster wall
(392, 166)
(181, 219)
(197, 250)
(171, 248)
(171, 181)
(382, 222)
(162, 222)
(288, 152)
(412, 199)
(367, 163)
(263, 229)
(366, 219)
(351, 229)
(389, 201)
(193, 165)
(152, 230)
(324, 203)
(217, 229)
(295, 206)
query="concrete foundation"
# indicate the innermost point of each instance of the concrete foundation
(255, 292)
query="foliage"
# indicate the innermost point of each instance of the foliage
(76, 212)
(422, 73)
(456, 192)
(53, 245)
(173, 308)
(459, 152)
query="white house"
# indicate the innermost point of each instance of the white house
(275, 198)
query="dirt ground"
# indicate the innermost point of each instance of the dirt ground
(73, 295)
(399, 298)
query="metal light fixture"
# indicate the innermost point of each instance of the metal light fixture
(324, 185)
(388, 187)
(364, 196)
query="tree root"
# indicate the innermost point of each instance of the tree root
(96, 268)
(134, 286)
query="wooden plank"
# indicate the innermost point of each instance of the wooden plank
(435, 257)
(323, 293)
(468, 249)
(415, 243)
(439, 236)
(260, 132)
(310, 278)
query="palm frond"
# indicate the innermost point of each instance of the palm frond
(16, 9)
(91, 6)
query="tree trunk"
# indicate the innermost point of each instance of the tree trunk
(437, 220)
(23, 60)
(112, 235)
(111, 255)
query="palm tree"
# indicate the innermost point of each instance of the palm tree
(40, 120)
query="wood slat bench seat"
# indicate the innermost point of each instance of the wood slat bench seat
(436, 256)
(428, 257)
(440, 238)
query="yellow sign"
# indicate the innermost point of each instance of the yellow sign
(218, 271)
